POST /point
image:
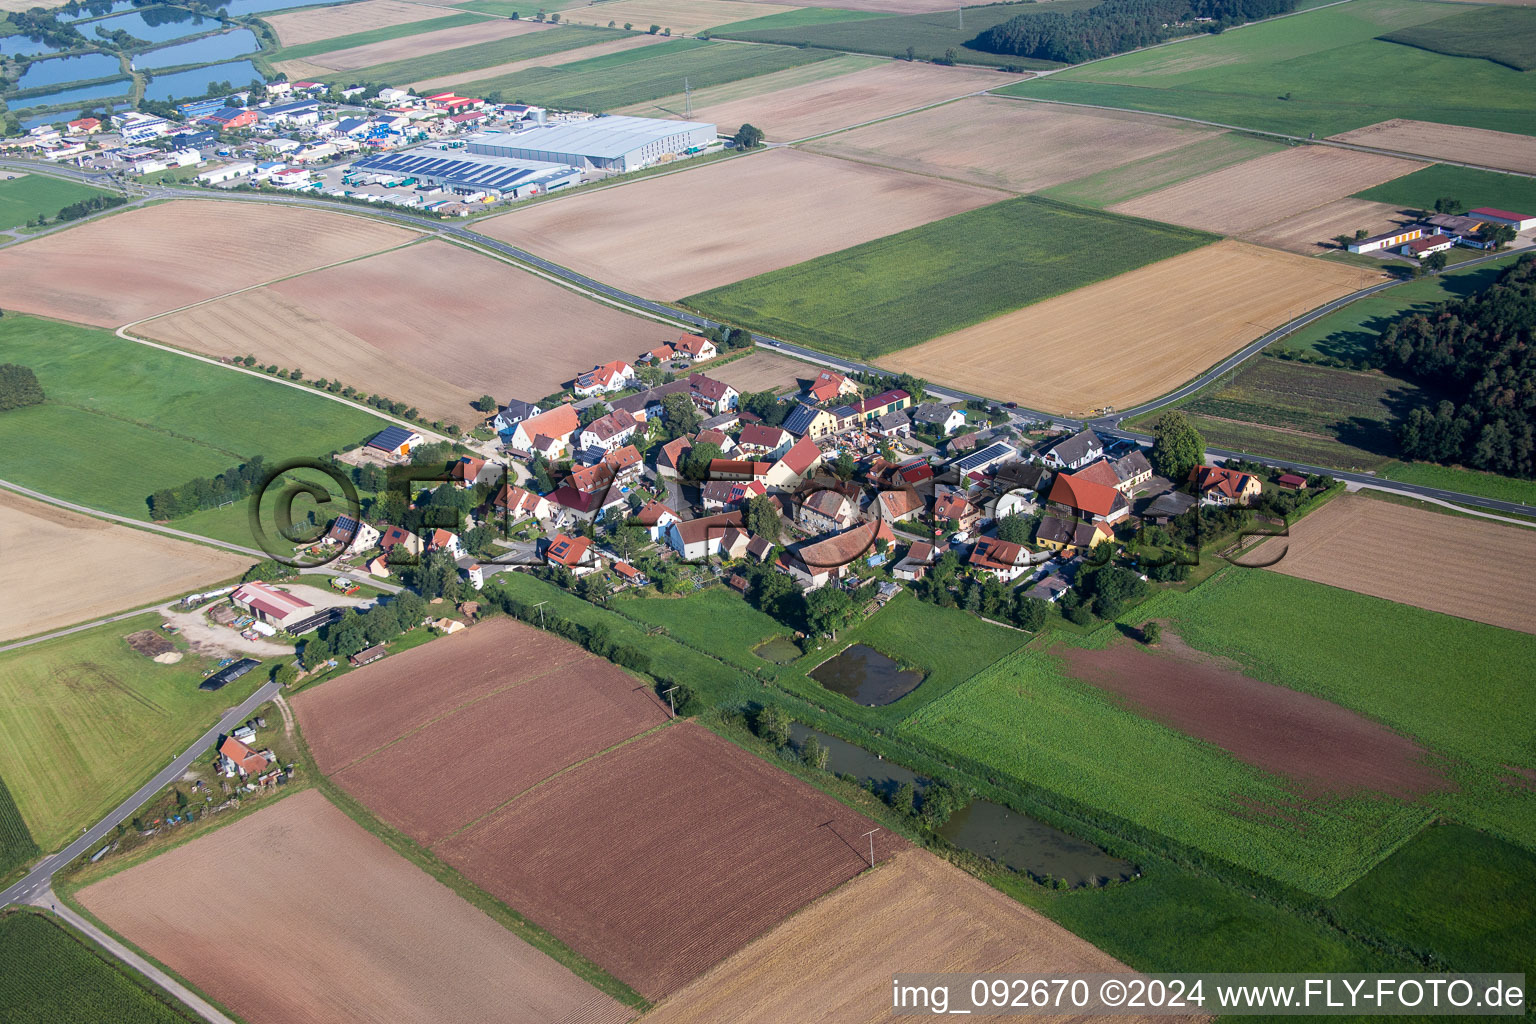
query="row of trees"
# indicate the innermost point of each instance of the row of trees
(1115, 26)
(356, 631)
(1478, 352)
(204, 492)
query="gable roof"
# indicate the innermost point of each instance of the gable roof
(991, 553)
(880, 401)
(842, 548)
(1076, 447)
(1085, 495)
(623, 458)
(742, 467)
(801, 418)
(391, 438)
(1223, 480)
(802, 455)
(895, 504)
(467, 469)
(605, 427)
(712, 389)
(953, 505)
(1027, 475)
(933, 412)
(694, 530)
(1131, 465)
(516, 499)
(588, 479)
(652, 512)
(559, 422)
(567, 551)
(1100, 472)
(761, 435)
(671, 453)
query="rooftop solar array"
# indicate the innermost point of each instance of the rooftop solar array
(495, 173)
(991, 453)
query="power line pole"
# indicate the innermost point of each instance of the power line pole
(687, 98)
(870, 835)
(540, 607)
(670, 700)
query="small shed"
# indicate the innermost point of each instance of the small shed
(1292, 482)
(367, 656)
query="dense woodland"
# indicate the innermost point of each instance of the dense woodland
(1116, 26)
(1477, 351)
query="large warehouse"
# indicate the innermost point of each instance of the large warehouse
(467, 174)
(610, 143)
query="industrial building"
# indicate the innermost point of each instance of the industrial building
(466, 174)
(609, 143)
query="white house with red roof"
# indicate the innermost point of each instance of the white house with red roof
(573, 553)
(235, 758)
(604, 379)
(795, 465)
(762, 441)
(695, 348)
(656, 517)
(519, 504)
(468, 471)
(270, 605)
(556, 425)
(446, 540)
(608, 433)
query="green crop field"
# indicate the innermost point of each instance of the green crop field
(915, 285)
(1474, 188)
(1139, 177)
(30, 196)
(636, 76)
(929, 35)
(52, 974)
(1504, 35)
(801, 18)
(479, 55)
(376, 35)
(84, 720)
(16, 845)
(1336, 74)
(1467, 481)
(122, 420)
(1454, 891)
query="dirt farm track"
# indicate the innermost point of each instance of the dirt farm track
(323, 947)
(1472, 568)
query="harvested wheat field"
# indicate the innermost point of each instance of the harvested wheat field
(1313, 232)
(354, 932)
(812, 108)
(440, 325)
(1266, 190)
(1449, 142)
(681, 16)
(42, 542)
(915, 914)
(665, 856)
(344, 720)
(881, 6)
(1010, 144)
(680, 234)
(134, 265)
(1471, 568)
(1326, 748)
(431, 85)
(765, 370)
(315, 23)
(406, 47)
(1120, 341)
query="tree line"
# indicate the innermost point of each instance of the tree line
(1476, 351)
(1116, 26)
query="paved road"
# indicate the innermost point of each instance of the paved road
(46, 899)
(40, 877)
(125, 520)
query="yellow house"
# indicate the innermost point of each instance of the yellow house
(1059, 534)
(809, 421)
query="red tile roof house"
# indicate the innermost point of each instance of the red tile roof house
(1292, 482)
(589, 489)
(738, 469)
(817, 563)
(695, 347)
(558, 424)
(795, 465)
(629, 575)
(445, 540)
(1000, 558)
(768, 442)
(659, 354)
(829, 385)
(712, 395)
(721, 495)
(270, 605)
(1101, 473)
(1218, 485)
(625, 463)
(608, 432)
(695, 539)
(898, 504)
(655, 517)
(955, 508)
(394, 537)
(671, 457)
(574, 553)
(518, 504)
(915, 564)
(604, 379)
(235, 758)
(825, 509)
(1095, 501)
(719, 438)
(466, 472)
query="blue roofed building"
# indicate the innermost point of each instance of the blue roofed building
(396, 442)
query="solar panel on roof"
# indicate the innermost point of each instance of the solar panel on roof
(390, 438)
(991, 453)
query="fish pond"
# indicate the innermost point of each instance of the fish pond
(82, 94)
(24, 46)
(153, 25)
(1032, 847)
(197, 82)
(63, 70)
(201, 51)
(867, 677)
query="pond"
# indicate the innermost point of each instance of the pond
(240, 8)
(155, 25)
(62, 70)
(186, 84)
(58, 117)
(201, 51)
(780, 650)
(1026, 845)
(844, 758)
(120, 88)
(865, 676)
(97, 11)
(21, 46)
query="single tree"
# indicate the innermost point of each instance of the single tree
(1151, 633)
(1448, 204)
(905, 797)
(1177, 446)
(285, 674)
(486, 404)
(828, 610)
(748, 136)
(1013, 528)
(18, 387)
(773, 725)
(911, 53)
(1435, 262)
(763, 518)
(680, 414)
(814, 754)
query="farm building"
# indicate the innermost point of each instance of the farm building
(395, 442)
(270, 605)
(1429, 244)
(1518, 221)
(467, 174)
(1097, 501)
(695, 538)
(1389, 240)
(228, 674)
(612, 143)
(868, 410)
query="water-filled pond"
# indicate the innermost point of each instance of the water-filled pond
(63, 70)
(96, 11)
(865, 676)
(844, 758)
(239, 8)
(1024, 844)
(201, 51)
(22, 46)
(153, 25)
(780, 650)
(81, 94)
(185, 84)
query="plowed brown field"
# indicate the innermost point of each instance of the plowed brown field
(1313, 232)
(678, 234)
(314, 23)
(42, 542)
(1263, 192)
(664, 856)
(344, 719)
(406, 47)
(916, 914)
(1472, 568)
(1022, 147)
(337, 928)
(1449, 142)
(433, 325)
(764, 370)
(1121, 341)
(146, 261)
(1328, 748)
(466, 764)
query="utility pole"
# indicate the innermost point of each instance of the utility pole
(670, 700)
(961, 11)
(687, 98)
(540, 607)
(870, 835)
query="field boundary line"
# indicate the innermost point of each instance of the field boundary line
(1437, 501)
(914, 110)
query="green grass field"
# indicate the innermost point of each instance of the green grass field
(480, 55)
(17, 847)
(1139, 177)
(1467, 481)
(376, 35)
(1419, 190)
(714, 620)
(1454, 891)
(1504, 35)
(636, 76)
(1337, 74)
(84, 721)
(122, 420)
(929, 35)
(35, 195)
(915, 285)
(53, 974)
